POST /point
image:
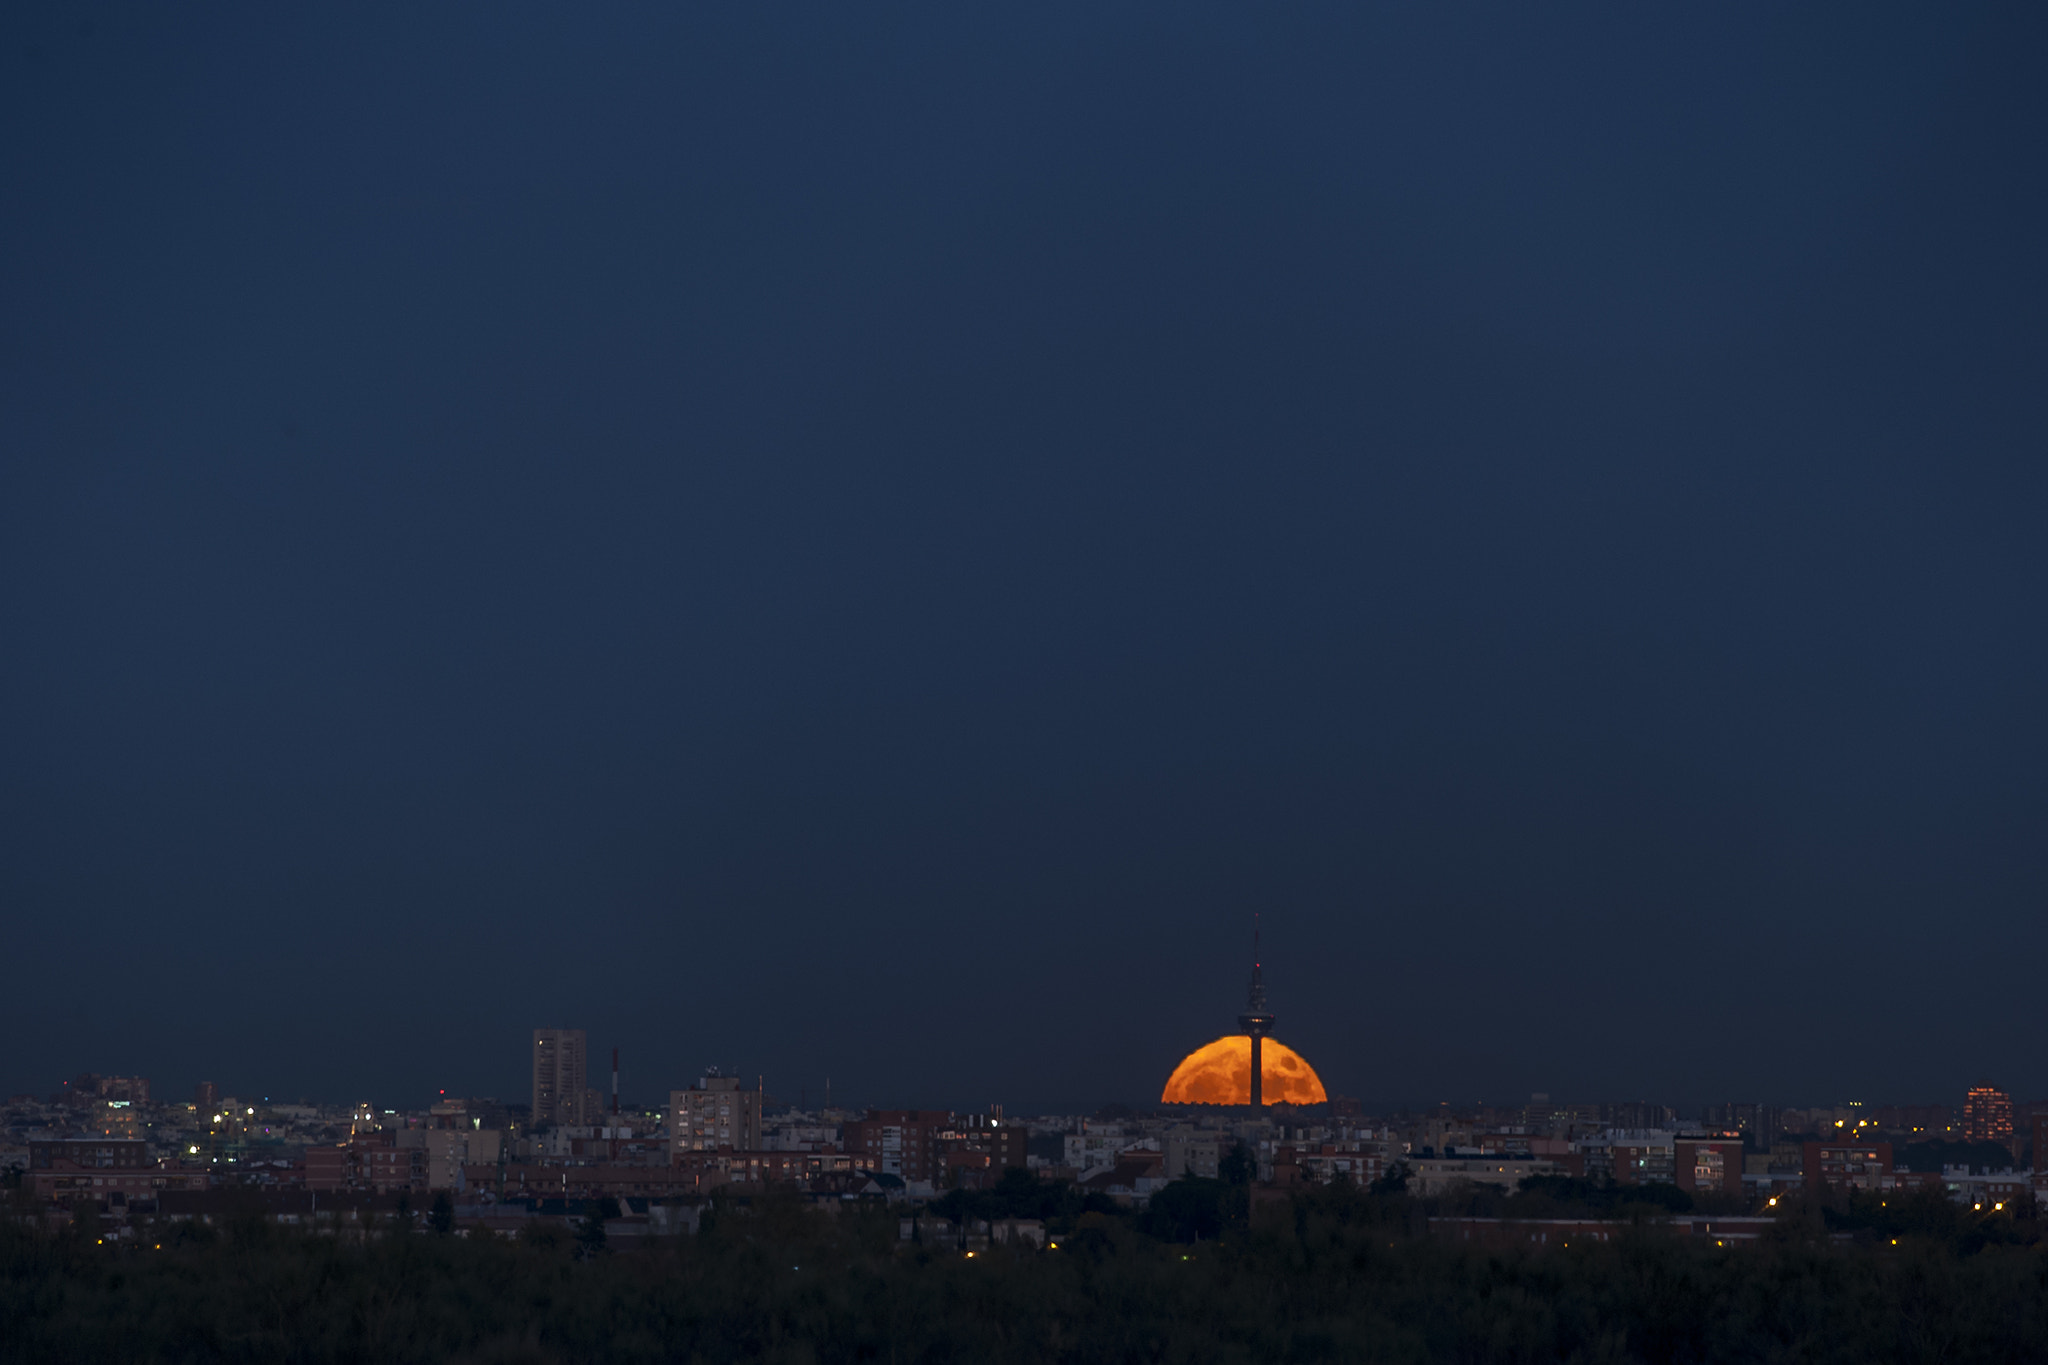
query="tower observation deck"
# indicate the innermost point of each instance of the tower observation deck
(1249, 1067)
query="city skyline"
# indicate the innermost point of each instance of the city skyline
(717, 1110)
(649, 1076)
(658, 1093)
(720, 1129)
(657, 660)
(866, 545)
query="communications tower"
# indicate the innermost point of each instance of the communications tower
(1257, 1021)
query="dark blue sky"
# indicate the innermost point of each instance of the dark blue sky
(864, 541)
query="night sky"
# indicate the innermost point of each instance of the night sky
(866, 541)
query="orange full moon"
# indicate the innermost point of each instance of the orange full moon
(1221, 1073)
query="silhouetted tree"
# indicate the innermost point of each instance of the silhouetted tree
(1346, 1275)
(1190, 1209)
(590, 1236)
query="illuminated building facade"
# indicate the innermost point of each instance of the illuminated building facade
(1987, 1115)
(1708, 1165)
(1847, 1165)
(901, 1142)
(975, 1150)
(71, 1170)
(715, 1114)
(1643, 1156)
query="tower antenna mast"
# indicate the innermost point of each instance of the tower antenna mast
(1257, 1020)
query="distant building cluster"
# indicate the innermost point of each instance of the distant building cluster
(108, 1147)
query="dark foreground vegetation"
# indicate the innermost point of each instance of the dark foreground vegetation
(1338, 1276)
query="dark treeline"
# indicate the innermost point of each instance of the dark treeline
(1339, 1275)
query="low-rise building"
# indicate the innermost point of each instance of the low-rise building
(373, 1161)
(1192, 1151)
(1848, 1165)
(1133, 1179)
(102, 1170)
(689, 1173)
(1434, 1175)
(1992, 1192)
(1563, 1233)
(1321, 1163)
(1094, 1148)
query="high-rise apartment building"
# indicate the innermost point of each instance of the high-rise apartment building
(903, 1142)
(715, 1113)
(450, 1149)
(1758, 1123)
(1847, 1165)
(560, 1064)
(1708, 1164)
(1920, 1122)
(978, 1148)
(128, 1089)
(1987, 1115)
(1642, 1156)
